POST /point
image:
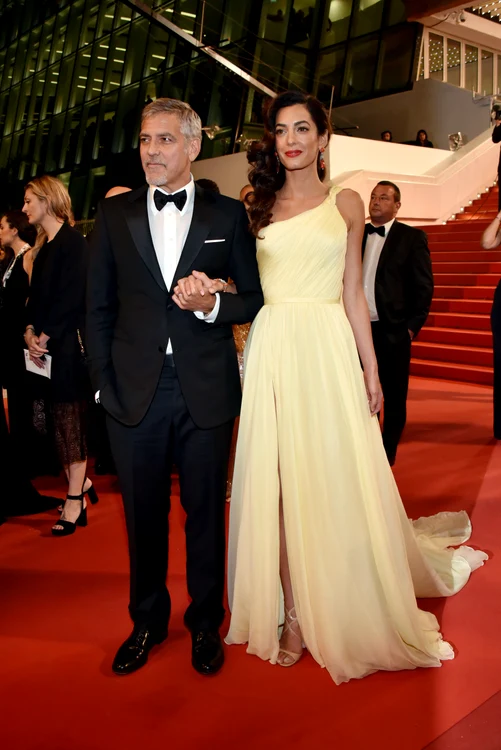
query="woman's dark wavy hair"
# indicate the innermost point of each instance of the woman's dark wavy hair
(264, 177)
(17, 220)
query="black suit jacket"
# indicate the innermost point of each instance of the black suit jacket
(131, 315)
(404, 281)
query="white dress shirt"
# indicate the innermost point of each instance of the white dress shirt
(169, 229)
(373, 247)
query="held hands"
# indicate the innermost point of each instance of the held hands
(196, 292)
(374, 392)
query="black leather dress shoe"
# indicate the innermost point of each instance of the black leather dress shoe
(207, 655)
(133, 653)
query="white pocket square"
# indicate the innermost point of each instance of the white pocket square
(207, 241)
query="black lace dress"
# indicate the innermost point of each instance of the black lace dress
(56, 307)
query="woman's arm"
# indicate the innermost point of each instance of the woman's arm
(351, 209)
(28, 263)
(492, 236)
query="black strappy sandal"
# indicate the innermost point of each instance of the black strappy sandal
(69, 527)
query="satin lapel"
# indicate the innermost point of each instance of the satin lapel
(137, 220)
(388, 246)
(200, 227)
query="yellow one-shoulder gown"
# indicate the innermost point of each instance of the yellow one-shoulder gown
(357, 563)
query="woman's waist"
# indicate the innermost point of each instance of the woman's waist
(301, 300)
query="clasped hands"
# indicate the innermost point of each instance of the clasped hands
(36, 346)
(196, 292)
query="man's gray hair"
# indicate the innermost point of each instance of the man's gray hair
(191, 124)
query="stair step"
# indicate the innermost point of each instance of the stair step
(466, 355)
(454, 336)
(464, 292)
(442, 255)
(440, 239)
(470, 266)
(449, 371)
(464, 279)
(476, 306)
(459, 320)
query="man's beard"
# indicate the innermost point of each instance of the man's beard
(157, 178)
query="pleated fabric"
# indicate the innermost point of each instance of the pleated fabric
(357, 562)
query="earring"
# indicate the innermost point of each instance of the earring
(321, 160)
(278, 162)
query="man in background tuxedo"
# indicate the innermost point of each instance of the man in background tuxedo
(167, 374)
(398, 284)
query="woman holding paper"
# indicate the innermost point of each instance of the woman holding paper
(55, 315)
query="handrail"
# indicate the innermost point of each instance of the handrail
(145, 10)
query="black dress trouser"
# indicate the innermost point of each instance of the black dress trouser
(393, 360)
(143, 456)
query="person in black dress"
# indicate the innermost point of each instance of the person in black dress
(422, 139)
(491, 238)
(496, 138)
(19, 497)
(55, 316)
(17, 234)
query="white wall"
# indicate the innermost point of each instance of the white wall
(434, 183)
(439, 108)
(229, 172)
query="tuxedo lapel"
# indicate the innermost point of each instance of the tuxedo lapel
(389, 245)
(200, 227)
(137, 221)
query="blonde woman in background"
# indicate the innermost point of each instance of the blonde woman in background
(54, 316)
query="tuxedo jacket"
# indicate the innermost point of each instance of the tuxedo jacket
(131, 314)
(404, 281)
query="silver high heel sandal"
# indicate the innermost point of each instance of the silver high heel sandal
(289, 658)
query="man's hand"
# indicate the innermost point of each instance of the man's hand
(201, 283)
(194, 301)
(411, 333)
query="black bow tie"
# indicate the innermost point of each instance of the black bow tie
(378, 230)
(178, 199)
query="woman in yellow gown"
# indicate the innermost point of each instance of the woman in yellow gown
(317, 526)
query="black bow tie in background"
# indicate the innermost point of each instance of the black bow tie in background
(178, 199)
(378, 230)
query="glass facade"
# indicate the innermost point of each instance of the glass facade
(74, 76)
(461, 64)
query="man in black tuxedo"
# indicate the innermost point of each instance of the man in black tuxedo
(167, 374)
(398, 284)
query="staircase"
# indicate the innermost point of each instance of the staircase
(456, 342)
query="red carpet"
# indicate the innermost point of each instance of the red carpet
(63, 614)
(456, 342)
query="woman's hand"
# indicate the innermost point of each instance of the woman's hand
(200, 283)
(374, 391)
(35, 346)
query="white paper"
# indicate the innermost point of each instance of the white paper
(32, 367)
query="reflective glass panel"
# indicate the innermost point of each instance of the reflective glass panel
(454, 62)
(436, 57)
(336, 22)
(487, 82)
(471, 67)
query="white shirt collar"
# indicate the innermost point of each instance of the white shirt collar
(190, 194)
